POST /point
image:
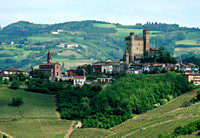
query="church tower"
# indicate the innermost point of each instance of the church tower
(49, 59)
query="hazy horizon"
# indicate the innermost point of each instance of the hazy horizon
(127, 12)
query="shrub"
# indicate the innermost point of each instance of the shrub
(6, 81)
(17, 101)
(15, 84)
(4, 136)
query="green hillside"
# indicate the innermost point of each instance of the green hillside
(160, 120)
(97, 40)
(36, 117)
(35, 105)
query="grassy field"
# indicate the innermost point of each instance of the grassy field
(1, 135)
(42, 39)
(186, 42)
(101, 25)
(193, 36)
(36, 128)
(75, 63)
(162, 119)
(89, 133)
(187, 49)
(35, 105)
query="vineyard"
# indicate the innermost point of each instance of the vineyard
(35, 105)
(160, 120)
(90, 132)
(36, 128)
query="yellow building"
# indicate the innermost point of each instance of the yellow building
(195, 77)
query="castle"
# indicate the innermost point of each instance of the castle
(137, 47)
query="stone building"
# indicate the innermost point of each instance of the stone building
(49, 68)
(136, 47)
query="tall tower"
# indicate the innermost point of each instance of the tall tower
(146, 38)
(49, 59)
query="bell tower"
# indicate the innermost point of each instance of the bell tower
(49, 59)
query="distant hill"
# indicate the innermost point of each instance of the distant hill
(97, 40)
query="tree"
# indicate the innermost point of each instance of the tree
(6, 81)
(15, 84)
(1, 79)
(17, 101)
(38, 74)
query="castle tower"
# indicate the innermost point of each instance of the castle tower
(49, 59)
(146, 39)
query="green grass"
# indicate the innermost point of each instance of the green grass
(42, 39)
(36, 128)
(101, 25)
(186, 42)
(193, 36)
(1, 135)
(89, 133)
(35, 105)
(171, 111)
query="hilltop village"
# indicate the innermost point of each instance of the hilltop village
(137, 50)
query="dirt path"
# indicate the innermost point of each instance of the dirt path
(70, 130)
(6, 134)
(57, 113)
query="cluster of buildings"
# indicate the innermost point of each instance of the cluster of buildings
(67, 45)
(6, 73)
(136, 48)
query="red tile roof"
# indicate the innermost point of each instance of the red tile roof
(153, 49)
(50, 63)
(79, 77)
(12, 69)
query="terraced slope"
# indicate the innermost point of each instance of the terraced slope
(159, 120)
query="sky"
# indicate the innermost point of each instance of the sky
(126, 12)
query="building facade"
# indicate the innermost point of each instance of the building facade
(136, 47)
(79, 80)
(49, 68)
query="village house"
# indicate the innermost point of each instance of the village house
(79, 80)
(67, 45)
(71, 73)
(60, 31)
(170, 67)
(104, 79)
(13, 71)
(157, 66)
(54, 32)
(135, 68)
(195, 77)
(188, 68)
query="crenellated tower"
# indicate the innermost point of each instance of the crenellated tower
(146, 39)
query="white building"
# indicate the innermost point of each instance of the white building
(59, 30)
(79, 80)
(107, 68)
(54, 32)
(71, 45)
(12, 43)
